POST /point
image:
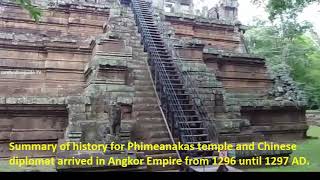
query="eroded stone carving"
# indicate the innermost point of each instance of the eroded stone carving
(284, 87)
(228, 10)
(115, 119)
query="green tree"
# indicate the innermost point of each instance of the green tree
(34, 11)
(280, 7)
(294, 50)
(284, 43)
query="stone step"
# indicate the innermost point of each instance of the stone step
(147, 114)
(209, 90)
(138, 52)
(141, 73)
(230, 119)
(142, 78)
(147, 107)
(210, 108)
(138, 64)
(160, 140)
(138, 61)
(134, 66)
(145, 94)
(241, 138)
(196, 135)
(135, 37)
(220, 109)
(245, 95)
(222, 115)
(207, 96)
(145, 100)
(151, 121)
(135, 45)
(144, 88)
(156, 126)
(142, 83)
(141, 57)
(153, 127)
(158, 134)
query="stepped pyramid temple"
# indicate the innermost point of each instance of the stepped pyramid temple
(157, 72)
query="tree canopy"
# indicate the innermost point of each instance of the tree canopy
(285, 41)
(280, 7)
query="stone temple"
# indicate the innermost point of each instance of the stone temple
(176, 75)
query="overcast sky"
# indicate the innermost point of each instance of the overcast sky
(247, 12)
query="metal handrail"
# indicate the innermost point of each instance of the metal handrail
(188, 81)
(161, 73)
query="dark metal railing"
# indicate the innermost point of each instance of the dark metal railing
(189, 82)
(164, 86)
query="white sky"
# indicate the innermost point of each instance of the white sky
(247, 12)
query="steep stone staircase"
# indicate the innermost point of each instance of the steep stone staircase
(150, 126)
(223, 106)
(186, 122)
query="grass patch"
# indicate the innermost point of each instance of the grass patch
(309, 149)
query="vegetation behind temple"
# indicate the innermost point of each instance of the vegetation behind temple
(277, 8)
(289, 44)
(34, 12)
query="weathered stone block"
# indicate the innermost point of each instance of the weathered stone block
(231, 102)
(115, 12)
(89, 131)
(233, 108)
(73, 132)
(73, 117)
(287, 103)
(119, 88)
(125, 100)
(2, 100)
(78, 100)
(228, 126)
(74, 127)
(76, 108)
(6, 36)
(92, 131)
(10, 100)
(125, 95)
(101, 116)
(126, 126)
(116, 61)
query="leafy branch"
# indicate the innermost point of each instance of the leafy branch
(279, 7)
(34, 11)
